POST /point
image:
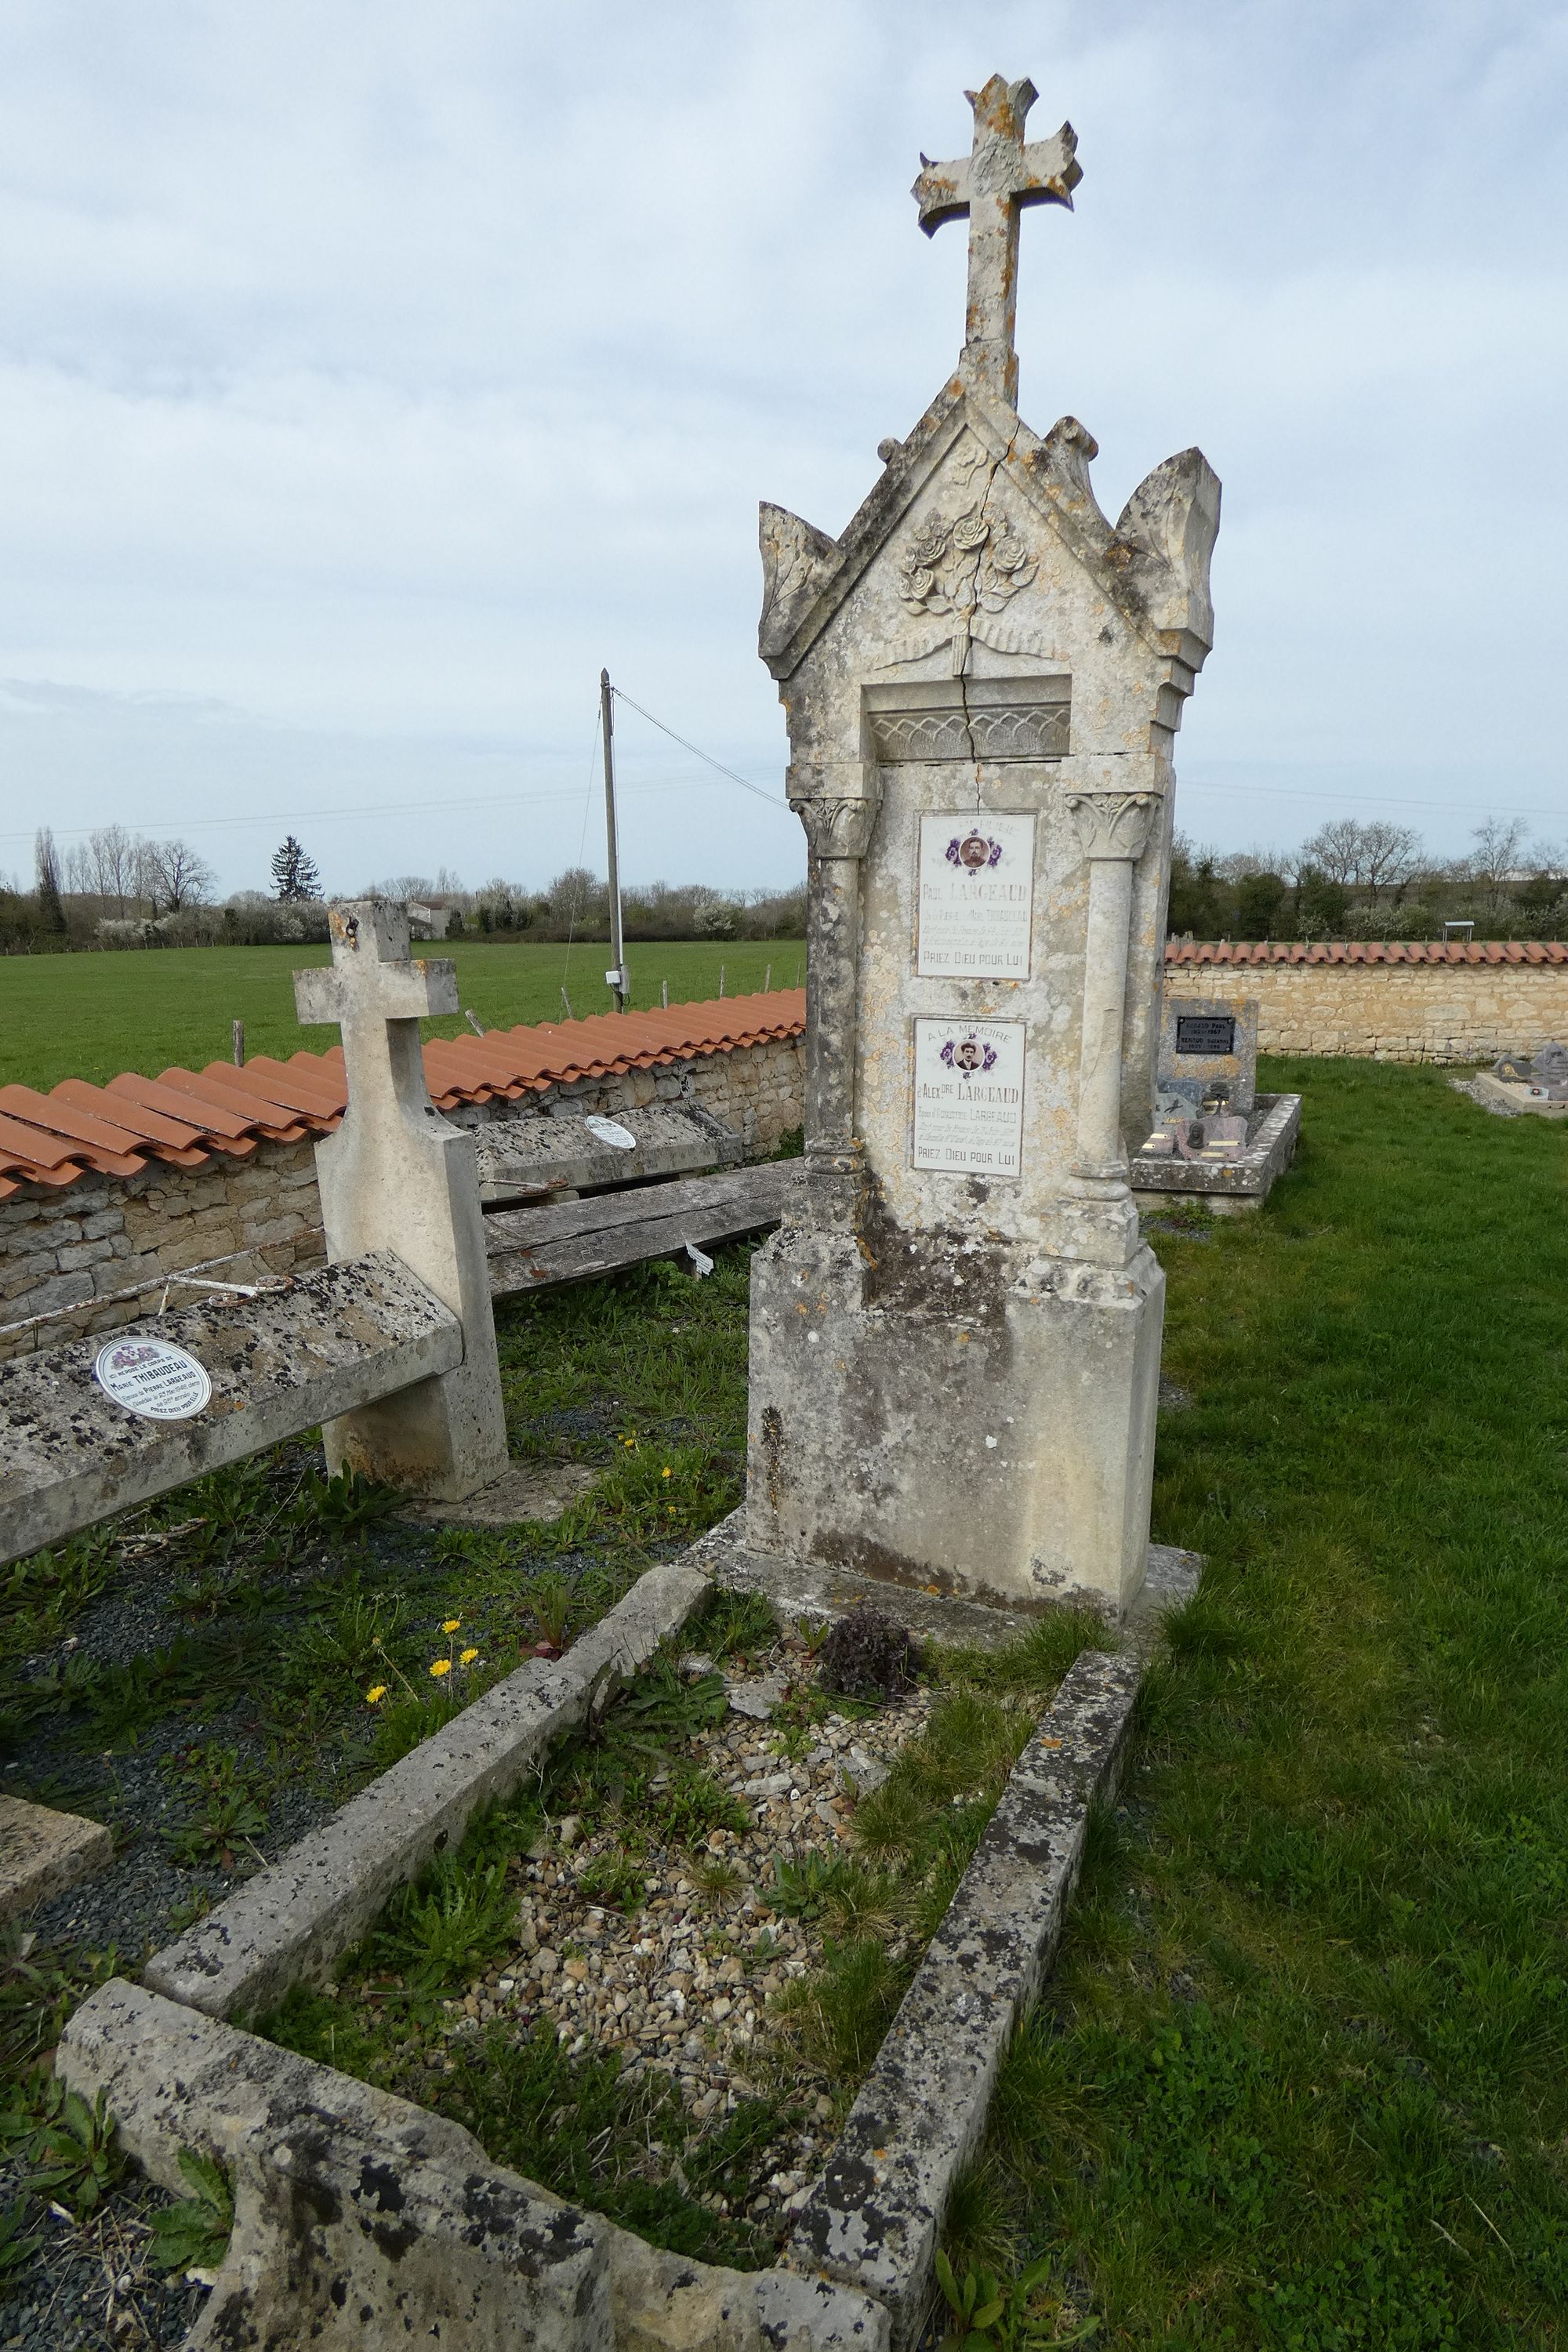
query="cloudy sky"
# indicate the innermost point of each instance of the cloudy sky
(371, 373)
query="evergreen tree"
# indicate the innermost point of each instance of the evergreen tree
(294, 876)
(51, 906)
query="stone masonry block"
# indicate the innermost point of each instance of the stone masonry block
(65, 1290)
(84, 1253)
(362, 2220)
(58, 1233)
(42, 1852)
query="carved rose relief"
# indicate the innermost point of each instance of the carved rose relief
(963, 565)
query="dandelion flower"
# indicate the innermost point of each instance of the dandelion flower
(667, 1473)
(468, 1657)
(440, 1666)
(450, 1624)
(374, 1695)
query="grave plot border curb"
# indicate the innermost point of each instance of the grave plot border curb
(292, 1920)
(1228, 1188)
(874, 2217)
(857, 2275)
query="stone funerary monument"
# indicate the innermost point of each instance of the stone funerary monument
(955, 1347)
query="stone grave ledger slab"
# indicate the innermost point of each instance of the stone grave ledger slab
(275, 1364)
(1204, 1043)
(956, 1336)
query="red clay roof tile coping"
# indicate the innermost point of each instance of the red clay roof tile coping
(1364, 951)
(184, 1116)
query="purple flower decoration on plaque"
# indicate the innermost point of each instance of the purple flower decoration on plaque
(974, 852)
(968, 1055)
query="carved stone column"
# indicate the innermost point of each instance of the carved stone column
(1113, 831)
(838, 833)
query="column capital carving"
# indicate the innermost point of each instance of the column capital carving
(837, 827)
(1113, 825)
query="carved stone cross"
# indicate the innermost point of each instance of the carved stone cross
(398, 1176)
(378, 997)
(991, 186)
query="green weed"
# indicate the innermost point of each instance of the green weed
(194, 2232)
(224, 1812)
(442, 1931)
(64, 2148)
(614, 1879)
(838, 2016)
(19, 2246)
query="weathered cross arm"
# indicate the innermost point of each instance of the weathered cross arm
(991, 186)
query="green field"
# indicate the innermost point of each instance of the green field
(92, 1016)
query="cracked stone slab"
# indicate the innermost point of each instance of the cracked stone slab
(362, 2219)
(327, 1344)
(43, 1852)
(873, 2219)
(291, 1921)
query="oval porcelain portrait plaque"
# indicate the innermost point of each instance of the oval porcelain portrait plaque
(153, 1378)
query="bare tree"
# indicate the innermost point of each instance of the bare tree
(1502, 846)
(179, 875)
(106, 865)
(1389, 855)
(1335, 850)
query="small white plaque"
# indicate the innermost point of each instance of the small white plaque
(153, 1378)
(976, 894)
(610, 1130)
(969, 1096)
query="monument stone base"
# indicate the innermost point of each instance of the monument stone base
(956, 1416)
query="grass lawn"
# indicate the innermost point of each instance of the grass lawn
(92, 1016)
(1298, 2079)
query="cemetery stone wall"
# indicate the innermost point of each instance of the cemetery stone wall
(1403, 1001)
(73, 1247)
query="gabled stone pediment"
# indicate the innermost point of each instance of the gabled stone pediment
(1153, 563)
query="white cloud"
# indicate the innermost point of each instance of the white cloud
(370, 375)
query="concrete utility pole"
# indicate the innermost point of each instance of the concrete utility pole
(616, 977)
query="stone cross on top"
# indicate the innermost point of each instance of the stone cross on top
(378, 998)
(991, 186)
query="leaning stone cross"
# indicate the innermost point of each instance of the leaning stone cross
(991, 186)
(398, 1176)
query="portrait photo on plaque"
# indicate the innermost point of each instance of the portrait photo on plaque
(976, 895)
(969, 1096)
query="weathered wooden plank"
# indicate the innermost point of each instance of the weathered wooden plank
(746, 1190)
(278, 1364)
(567, 1243)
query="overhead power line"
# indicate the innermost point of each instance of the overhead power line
(696, 752)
